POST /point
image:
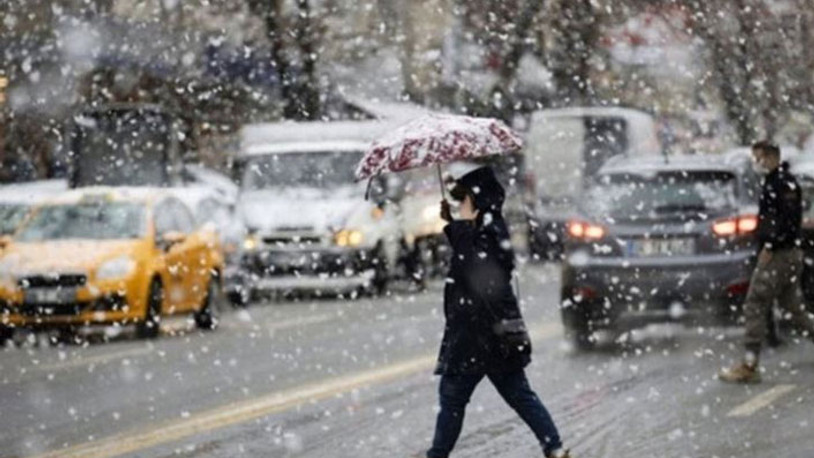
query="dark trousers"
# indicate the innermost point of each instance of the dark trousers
(776, 281)
(455, 391)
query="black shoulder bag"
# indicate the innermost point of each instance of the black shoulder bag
(513, 336)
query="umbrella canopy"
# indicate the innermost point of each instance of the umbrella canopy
(437, 139)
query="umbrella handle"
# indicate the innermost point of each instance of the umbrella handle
(441, 180)
(367, 189)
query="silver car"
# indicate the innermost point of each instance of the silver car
(660, 240)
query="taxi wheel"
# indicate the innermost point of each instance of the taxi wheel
(207, 316)
(150, 326)
(6, 334)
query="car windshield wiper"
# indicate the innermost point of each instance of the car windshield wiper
(678, 208)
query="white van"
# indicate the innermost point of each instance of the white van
(309, 225)
(566, 147)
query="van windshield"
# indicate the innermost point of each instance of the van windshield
(323, 170)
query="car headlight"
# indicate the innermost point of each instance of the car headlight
(7, 279)
(115, 268)
(349, 237)
(431, 213)
(250, 243)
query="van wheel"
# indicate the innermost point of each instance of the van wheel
(206, 317)
(150, 326)
(381, 276)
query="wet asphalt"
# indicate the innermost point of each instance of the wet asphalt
(353, 378)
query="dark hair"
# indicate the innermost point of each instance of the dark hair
(459, 193)
(767, 147)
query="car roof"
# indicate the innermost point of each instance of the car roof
(678, 163)
(571, 112)
(32, 192)
(110, 193)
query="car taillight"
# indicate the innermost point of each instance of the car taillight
(740, 225)
(586, 231)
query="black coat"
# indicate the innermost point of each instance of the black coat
(781, 210)
(478, 291)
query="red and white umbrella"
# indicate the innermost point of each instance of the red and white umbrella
(437, 139)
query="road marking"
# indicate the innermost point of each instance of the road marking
(90, 360)
(244, 319)
(760, 401)
(302, 321)
(244, 411)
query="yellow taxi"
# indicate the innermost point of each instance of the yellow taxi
(109, 256)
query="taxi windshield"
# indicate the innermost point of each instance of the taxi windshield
(97, 221)
(11, 216)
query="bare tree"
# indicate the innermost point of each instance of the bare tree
(301, 98)
(576, 32)
(398, 18)
(756, 74)
(516, 47)
(307, 94)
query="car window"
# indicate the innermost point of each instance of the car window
(164, 218)
(631, 196)
(11, 216)
(183, 217)
(807, 187)
(211, 211)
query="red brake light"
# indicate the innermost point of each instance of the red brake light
(587, 231)
(747, 224)
(725, 228)
(735, 226)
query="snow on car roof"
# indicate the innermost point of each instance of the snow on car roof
(573, 112)
(32, 192)
(652, 165)
(191, 196)
(307, 147)
(127, 194)
(254, 137)
(386, 110)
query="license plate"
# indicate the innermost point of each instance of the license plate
(285, 260)
(667, 247)
(50, 295)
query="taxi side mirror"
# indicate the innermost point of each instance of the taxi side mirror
(170, 239)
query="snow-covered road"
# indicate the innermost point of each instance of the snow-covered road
(333, 378)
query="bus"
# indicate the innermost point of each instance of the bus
(125, 144)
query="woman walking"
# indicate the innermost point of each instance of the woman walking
(484, 334)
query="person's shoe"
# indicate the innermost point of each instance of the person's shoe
(740, 373)
(560, 454)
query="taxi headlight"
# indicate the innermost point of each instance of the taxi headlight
(349, 237)
(7, 281)
(115, 268)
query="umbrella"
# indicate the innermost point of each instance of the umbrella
(437, 139)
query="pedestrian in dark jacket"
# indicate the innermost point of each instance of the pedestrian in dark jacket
(477, 297)
(779, 266)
